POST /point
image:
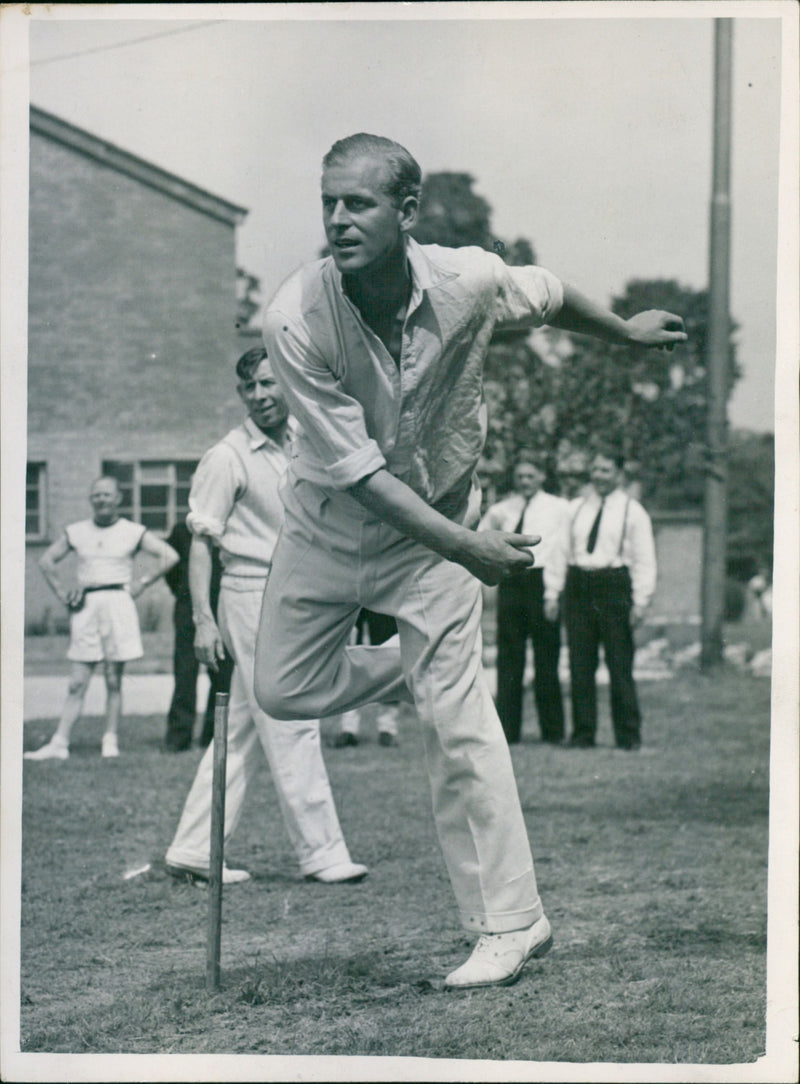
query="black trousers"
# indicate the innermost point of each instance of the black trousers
(380, 627)
(597, 608)
(520, 617)
(183, 709)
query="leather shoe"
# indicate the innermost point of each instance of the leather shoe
(341, 741)
(498, 958)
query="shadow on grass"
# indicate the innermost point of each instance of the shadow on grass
(722, 940)
(354, 979)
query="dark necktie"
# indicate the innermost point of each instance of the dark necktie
(591, 541)
(518, 528)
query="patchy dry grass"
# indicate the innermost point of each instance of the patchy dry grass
(652, 868)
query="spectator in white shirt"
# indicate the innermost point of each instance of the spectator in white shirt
(528, 604)
(610, 582)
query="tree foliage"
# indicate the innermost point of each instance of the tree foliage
(651, 404)
(451, 214)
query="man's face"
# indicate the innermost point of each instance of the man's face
(604, 475)
(528, 479)
(105, 498)
(570, 482)
(362, 224)
(263, 398)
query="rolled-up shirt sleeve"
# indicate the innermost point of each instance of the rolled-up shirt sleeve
(217, 482)
(526, 296)
(331, 420)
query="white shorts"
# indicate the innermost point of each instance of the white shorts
(106, 628)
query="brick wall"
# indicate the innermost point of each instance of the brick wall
(132, 335)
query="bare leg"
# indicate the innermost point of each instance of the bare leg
(113, 675)
(71, 712)
(58, 746)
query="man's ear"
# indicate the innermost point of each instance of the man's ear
(409, 210)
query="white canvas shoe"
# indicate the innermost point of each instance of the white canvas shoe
(498, 958)
(197, 873)
(343, 873)
(54, 750)
(110, 747)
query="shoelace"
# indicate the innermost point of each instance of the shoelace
(485, 945)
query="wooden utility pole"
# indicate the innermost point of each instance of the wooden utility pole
(718, 356)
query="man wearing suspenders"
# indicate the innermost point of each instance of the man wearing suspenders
(610, 582)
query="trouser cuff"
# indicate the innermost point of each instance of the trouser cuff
(331, 856)
(503, 922)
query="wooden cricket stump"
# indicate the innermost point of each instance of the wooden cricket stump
(214, 936)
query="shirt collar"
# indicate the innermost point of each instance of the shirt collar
(425, 273)
(258, 439)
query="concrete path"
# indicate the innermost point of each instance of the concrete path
(150, 694)
(142, 694)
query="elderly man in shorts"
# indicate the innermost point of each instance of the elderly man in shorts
(379, 349)
(104, 626)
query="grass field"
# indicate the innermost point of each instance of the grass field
(652, 868)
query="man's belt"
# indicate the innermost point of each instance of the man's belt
(75, 605)
(593, 571)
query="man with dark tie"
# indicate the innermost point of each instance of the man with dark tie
(610, 582)
(528, 604)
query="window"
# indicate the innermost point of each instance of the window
(35, 524)
(155, 492)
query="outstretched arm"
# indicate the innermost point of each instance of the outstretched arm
(650, 328)
(489, 555)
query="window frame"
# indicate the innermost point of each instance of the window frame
(40, 466)
(138, 473)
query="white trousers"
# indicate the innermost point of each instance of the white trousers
(331, 559)
(293, 751)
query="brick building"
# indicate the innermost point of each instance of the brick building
(131, 335)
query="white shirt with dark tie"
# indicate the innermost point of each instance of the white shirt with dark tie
(625, 537)
(545, 515)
